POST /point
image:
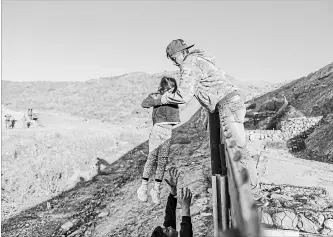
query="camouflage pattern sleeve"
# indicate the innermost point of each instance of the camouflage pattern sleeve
(187, 87)
(172, 98)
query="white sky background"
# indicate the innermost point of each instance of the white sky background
(80, 40)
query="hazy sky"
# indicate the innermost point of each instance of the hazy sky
(80, 40)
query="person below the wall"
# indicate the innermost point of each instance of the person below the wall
(169, 225)
(164, 118)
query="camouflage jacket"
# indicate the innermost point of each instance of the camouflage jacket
(200, 78)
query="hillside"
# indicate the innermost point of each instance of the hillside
(310, 96)
(62, 193)
(80, 121)
(116, 100)
(105, 203)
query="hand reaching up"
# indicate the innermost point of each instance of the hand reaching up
(185, 201)
(174, 175)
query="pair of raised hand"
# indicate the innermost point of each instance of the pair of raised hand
(185, 195)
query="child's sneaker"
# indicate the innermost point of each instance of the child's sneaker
(142, 193)
(155, 196)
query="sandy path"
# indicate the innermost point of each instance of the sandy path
(284, 168)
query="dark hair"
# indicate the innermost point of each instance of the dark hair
(166, 84)
(158, 232)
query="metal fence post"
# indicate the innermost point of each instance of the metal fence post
(219, 177)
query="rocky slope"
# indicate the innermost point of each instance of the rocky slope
(309, 96)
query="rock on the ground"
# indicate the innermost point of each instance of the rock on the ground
(266, 219)
(316, 217)
(103, 214)
(67, 225)
(329, 224)
(326, 232)
(285, 220)
(307, 225)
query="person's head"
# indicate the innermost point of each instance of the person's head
(167, 84)
(177, 50)
(164, 232)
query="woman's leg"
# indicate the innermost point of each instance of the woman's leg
(233, 113)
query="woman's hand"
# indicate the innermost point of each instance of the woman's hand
(154, 95)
